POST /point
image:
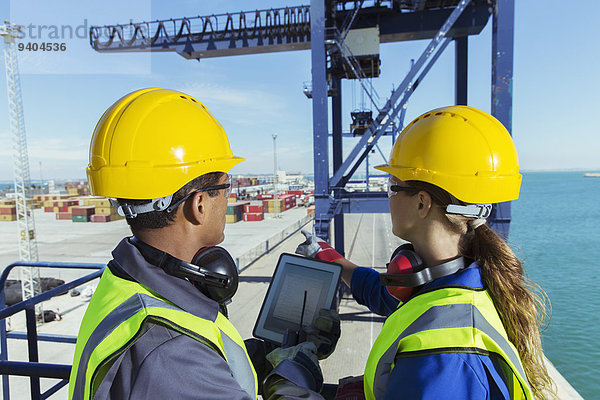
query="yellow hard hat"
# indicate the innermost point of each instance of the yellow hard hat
(462, 150)
(151, 142)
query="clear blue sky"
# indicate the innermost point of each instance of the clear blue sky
(556, 85)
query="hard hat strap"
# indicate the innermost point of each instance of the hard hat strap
(128, 210)
(471, 210)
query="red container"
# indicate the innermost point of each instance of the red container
(83, 210)
(63, 215)
(253, 216)
(296, 192)
(48, 209)
(101, 218)
(264, 196)
(253, 208)
(8, 210)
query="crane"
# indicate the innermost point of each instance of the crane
(327, 27)
(30, 277)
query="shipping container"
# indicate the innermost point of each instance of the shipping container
(64, 215)
(106, 211)
(253, 208)
(96, 201)
(80, 218)
(83, 210)
(8, 217)
(101, 218)
(8, 210)
(232, 218)
(253, 216)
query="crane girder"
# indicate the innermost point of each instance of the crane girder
(283, 29)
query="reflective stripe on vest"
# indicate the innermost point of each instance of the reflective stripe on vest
(119, 328)
(444, 321)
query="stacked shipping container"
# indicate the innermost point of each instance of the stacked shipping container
(253, 212)
(8, 210)
(234, 212)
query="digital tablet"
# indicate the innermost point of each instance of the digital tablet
(299, 289)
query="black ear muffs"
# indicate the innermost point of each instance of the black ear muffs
(212, 270)
(221, 274)
(406, 271)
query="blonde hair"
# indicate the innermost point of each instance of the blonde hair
(521, 303)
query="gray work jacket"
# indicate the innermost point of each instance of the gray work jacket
(165, 364)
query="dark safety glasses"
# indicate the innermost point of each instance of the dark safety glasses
(227, 192)
(392, 189)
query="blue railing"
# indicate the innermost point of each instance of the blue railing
(33, 368)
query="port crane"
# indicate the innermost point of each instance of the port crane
(326, 28)
(30, 276)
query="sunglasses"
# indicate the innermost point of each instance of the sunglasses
(393, 190)
(227, 192)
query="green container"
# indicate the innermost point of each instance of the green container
(235, 209)
(80, 218)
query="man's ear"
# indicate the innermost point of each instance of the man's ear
(425, 203)
(195, 212)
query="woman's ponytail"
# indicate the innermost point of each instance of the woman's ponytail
(521, 303)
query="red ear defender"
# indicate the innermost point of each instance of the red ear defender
(404, 262)
(407, 271)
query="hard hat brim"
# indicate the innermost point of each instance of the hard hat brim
(124, 179)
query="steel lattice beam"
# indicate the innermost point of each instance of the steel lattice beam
(265, 31)
(30, 277)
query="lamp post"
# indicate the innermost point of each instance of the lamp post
(275, 199)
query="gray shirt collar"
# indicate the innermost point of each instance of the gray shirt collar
(177, 290)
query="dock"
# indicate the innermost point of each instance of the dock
(368, 242)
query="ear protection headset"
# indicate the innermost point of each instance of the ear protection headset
(212, 270)
(406, 271)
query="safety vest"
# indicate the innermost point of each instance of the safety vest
(446, 320)
(113, 322)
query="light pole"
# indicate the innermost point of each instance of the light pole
(275, 199)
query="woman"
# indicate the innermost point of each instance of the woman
(467, 323)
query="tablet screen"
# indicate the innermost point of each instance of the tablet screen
(299, 289)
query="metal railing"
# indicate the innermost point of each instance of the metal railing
(249, 257)
(33, 368)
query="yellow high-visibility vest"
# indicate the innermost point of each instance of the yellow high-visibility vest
(113, 320)
(446, 320)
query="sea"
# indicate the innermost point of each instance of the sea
(555, 230)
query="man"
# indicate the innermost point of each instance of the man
(156, 326)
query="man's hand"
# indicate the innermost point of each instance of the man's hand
(298, 364)
(317, 248)
(325, 332)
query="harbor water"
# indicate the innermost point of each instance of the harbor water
(555, 230)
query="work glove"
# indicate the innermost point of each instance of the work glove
(317, 248)
(324, 332)
(298, 364)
